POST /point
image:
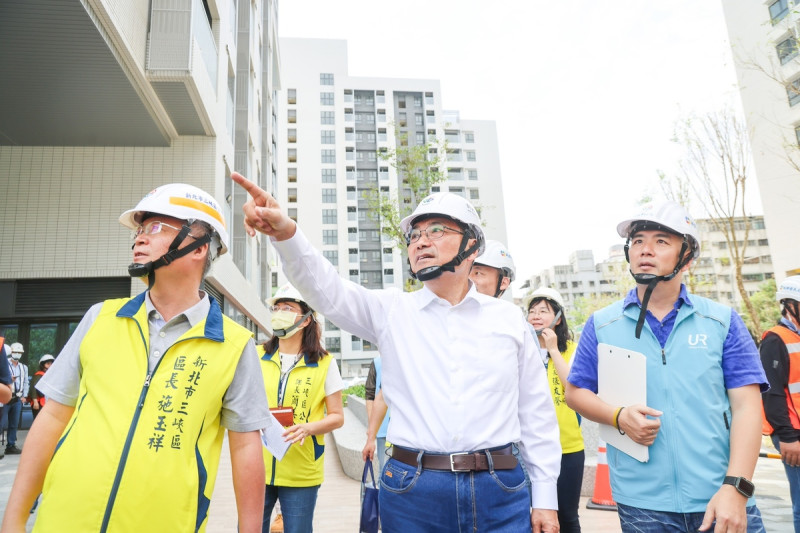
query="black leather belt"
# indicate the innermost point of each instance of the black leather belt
(502, 459)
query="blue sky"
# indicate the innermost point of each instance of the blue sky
(585, 95)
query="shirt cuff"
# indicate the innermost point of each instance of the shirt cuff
(545, 495)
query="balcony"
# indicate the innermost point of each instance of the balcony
(182, 64)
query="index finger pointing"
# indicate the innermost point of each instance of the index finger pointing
(254, 190)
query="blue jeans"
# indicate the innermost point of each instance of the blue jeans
(635, 520)
(569, 491)
(297, 507)
(421, 500)
(13, 410)
(793, 475)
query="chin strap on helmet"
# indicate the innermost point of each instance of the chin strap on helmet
(138, 270)
(433, 272)
(652, 280)
(283, 332)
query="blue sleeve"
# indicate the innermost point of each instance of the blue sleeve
(583, 372)
(741, 364)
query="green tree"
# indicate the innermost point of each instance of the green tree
(769, 310)
(418, 170)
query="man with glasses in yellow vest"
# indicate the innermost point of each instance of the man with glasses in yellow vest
(139, 398)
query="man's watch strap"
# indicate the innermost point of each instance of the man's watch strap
(742, 484)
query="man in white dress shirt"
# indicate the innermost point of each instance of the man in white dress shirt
(470, 406)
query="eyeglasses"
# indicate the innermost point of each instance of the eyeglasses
(434, 232)
(539, 312)
(276, 308)
(153, 227)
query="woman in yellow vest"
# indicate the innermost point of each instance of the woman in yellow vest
(545, 314)
(300, 374)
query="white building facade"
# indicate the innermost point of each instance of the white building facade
(332, 126)
(763, 36)
(102, 102)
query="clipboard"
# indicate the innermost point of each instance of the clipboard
(622, 380)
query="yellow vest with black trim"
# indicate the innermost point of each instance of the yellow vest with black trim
(141, 451)
(302, 466)
(792, 389)
(568, 427)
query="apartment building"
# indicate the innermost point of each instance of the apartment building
(763, 37)
(102, 102)
(713, 272)
(333, 126)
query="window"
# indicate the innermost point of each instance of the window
(329, 156)
(368, 235)
(352, 234)
(419, 138)
(388, 275)
(291, 96)
(457, 190)
(326, 98)
(778, 10)
(330, 236)
(472, 174)
(368, 346)
(293, 195)
(333, 344)
(330, 326)
(787, 50)
(328, 137)
(365, 118)
(326, 117)
(326, 79)
(401, 102)
(291, 136)
(473, 194)
(329, 216)
(292, 213)
(332, 256)
(328, 175)
(328, 196)
(470, 155)
(418, 119)
(417, 100)
(292, 175)
(469, 137)
(291, 116)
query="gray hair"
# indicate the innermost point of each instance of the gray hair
(213, 247)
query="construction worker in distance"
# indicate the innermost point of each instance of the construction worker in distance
(780, 356)
(704, 378)
(139, 398)
(493, 270)
(467, 390)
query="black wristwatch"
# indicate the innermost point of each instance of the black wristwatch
(742, 484)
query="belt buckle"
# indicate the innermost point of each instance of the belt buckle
(453, 467)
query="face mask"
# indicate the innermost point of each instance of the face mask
(283, 320)
(16, 356)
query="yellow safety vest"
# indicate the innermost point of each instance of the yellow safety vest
(302, 466)
(141, 451)
(569, 429)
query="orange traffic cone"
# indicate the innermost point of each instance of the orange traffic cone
(602, 499)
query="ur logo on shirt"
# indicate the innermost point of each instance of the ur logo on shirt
(698, 338)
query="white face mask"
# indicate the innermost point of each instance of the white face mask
(284, 320)
(16, 356)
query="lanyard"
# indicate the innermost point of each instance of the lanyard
(284, 381)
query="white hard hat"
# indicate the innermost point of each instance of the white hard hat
(17, 348)
(548, 294)
(288, 292)
(46, 357)
(182, 201)
(669, 215)
(448, 205)
(496, 256)
(789, 289)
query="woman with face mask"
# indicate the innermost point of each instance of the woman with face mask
(299, 375)
(546, 315)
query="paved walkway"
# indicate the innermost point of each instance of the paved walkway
(338, 503)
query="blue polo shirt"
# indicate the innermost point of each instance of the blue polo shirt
(740, 354)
